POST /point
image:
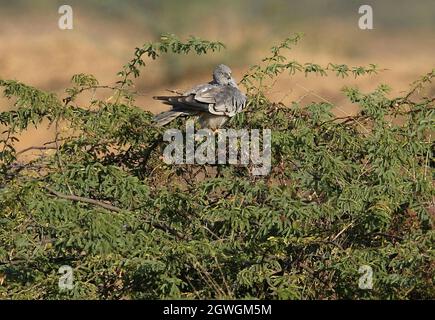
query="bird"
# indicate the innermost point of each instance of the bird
(214, 102)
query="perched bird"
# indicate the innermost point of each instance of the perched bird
(214, 102)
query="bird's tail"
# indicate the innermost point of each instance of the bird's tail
(166, 99)
(166, 117)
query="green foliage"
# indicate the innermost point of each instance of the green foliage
(168, 42)
(278, 63)
(342, 193)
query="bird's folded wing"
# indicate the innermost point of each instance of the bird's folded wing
(217, 100)
(222, 100)
(184, 103)
(199, 88)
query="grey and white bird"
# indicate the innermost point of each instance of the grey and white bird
(214, 102)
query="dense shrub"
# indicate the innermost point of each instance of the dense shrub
(342, 193)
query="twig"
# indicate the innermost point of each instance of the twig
(70, 98)
(343, 230)
(230, 294)
(327, 101)
(346, 119)
(86, 200)
(174, 91)
(113, 208)
(35, 148)
(388, 235)
(427, 159)
(419, 84)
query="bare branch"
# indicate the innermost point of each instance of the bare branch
(115, 209)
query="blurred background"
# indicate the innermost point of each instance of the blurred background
(35, 51)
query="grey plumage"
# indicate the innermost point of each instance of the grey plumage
(214, 102)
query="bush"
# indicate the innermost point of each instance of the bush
(342, 193)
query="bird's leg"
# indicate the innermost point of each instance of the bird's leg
(216, 131)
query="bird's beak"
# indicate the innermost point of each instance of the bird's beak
(233, 83)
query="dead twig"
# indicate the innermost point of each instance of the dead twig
(115, 209)
(35, 148)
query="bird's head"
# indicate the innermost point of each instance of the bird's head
(222, 76)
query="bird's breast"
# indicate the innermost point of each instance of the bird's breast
(212, 121)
